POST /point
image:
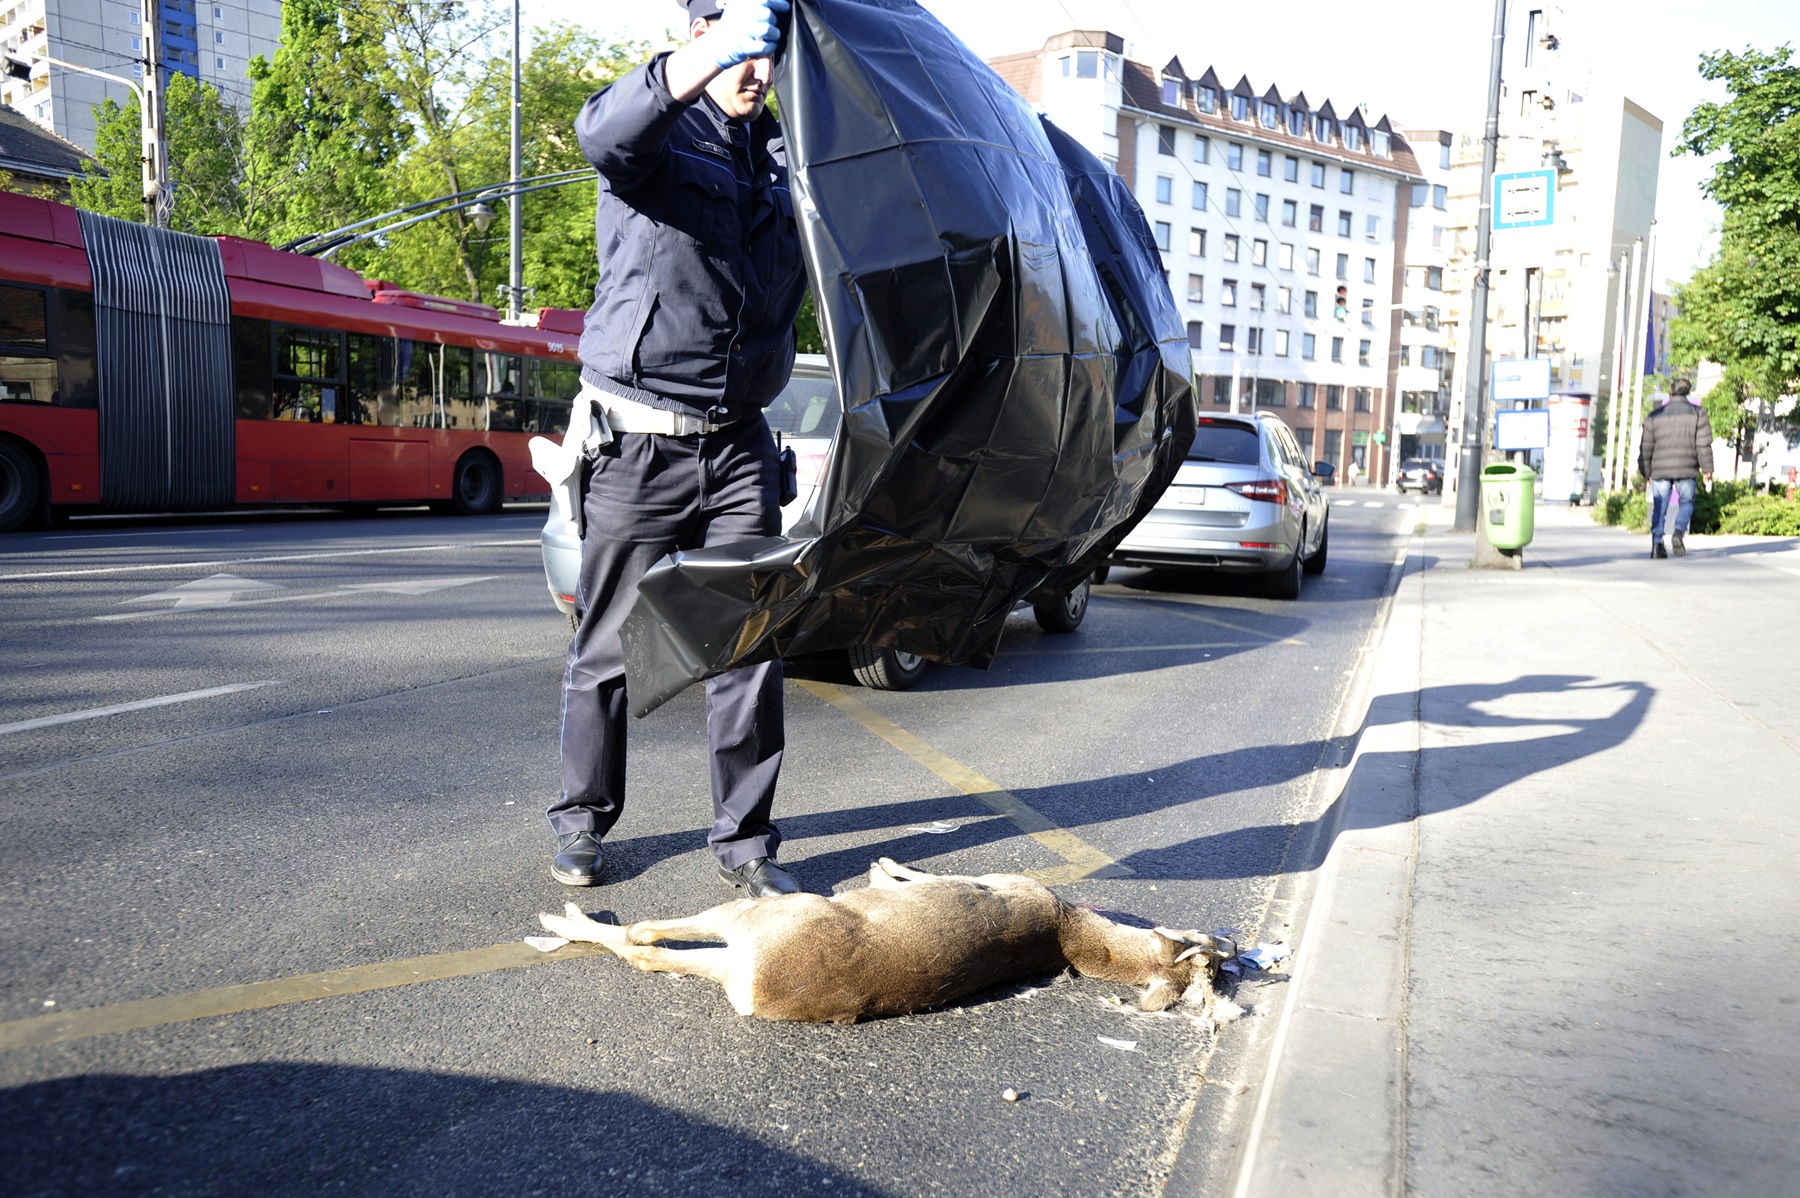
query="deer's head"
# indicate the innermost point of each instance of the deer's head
(1181, 959)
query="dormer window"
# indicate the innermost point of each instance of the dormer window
(1271, 114)
(1380, 144)
(1353, 137)
(1171, 92)
(1205, 98)
(1240, 108)
(1322, 130)
(1297, 122)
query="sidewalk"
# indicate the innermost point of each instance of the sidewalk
(1552, 948)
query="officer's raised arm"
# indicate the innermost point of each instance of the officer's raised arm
(624, 128)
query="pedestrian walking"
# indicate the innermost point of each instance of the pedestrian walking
(1676, 445)
(690, 336)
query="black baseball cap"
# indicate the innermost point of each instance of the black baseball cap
(703, 10)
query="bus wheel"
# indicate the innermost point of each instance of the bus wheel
(475, 487)
(20, 485)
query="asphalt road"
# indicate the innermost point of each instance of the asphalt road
(373, 793)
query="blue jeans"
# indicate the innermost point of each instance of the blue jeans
(1659, 505)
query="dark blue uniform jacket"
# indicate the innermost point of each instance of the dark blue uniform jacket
(700, 271)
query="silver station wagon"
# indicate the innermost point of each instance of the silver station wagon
(1245, 500)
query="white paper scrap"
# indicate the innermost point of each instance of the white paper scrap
(1121, 1045)
(936, 828)
(545, 944)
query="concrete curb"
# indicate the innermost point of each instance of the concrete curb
(1329, 1117)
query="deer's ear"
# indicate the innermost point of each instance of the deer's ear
(1217, 947)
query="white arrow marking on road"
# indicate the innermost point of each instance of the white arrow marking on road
(417, 586)
(114, 709)
(215, 591)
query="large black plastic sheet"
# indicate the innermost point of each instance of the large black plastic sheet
(1013, 373)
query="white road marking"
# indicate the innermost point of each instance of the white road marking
(400, 586)
(100, 536)
(286, 557)
(215, 591)
(93, 713)
(1373, 503)
(1343, 503)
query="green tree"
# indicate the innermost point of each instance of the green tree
(206, 145)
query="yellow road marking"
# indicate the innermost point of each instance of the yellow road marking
(65, 1026)
(1085, 861)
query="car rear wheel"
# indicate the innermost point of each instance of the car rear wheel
(1316, 563)
(20, 486)
(885, 669)
(475, 486)
(1285, 583)
(1064, 614)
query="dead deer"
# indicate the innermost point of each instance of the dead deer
(909, 942)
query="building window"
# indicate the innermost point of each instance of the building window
(1378, 141)
(1199, 196)
(1308, 393)
(219, 63)
(1372, 228)
(1334, 392)
(1271, 114)
(1087, 64)
(1253, 341)
(1202, 150)
(1309, 305)
(1322, 130)
(1262, 208)
(1334, 438)
(1285, 256)
(1284, 300)
(1428, 357)
(1440, 195)
(1406, 355)
(1221, 390)
(1194, 330)
(1197, 242)
(1434, 278)
(1347, 181)
(1353, 137)
(1368, 270)
(1305, 435)
(1234, 202)
(137, 43)
(218, 12)
(1337, 355)
(1240, 108)
(1312, 263)
(1343, 225)
(1264, 163)
(1362, 399)
(1290, 212)
(1431, 319)
(1290, 169)
(137, 70)
(1196, 289)
(1205, 100)
(1368, 313)
(1315, 218)
(1165, 189)
(1281, 343)
(218, 38)
(1259, 293)
(1419, 192)
(1228, 293)
(1443, 157)
(1259, 252)
(1227, 338)
(1296, 124)
(1234, 156)
(1309, 345)
(1362, 353)
(1343, 266)
(1231, 247)
(1318, 175)
(1065, 65)
(1165, 140)
(1437, 237)
(1171, 92)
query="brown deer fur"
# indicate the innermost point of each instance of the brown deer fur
(908, 942)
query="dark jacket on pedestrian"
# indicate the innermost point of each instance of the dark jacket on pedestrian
(700, 270)
(1676, 441)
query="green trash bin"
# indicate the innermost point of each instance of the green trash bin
(1508, 504)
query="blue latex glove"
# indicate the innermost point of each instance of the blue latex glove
(745, 30)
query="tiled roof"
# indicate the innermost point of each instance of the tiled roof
(28, 148)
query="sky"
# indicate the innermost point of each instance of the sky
(1422, 62)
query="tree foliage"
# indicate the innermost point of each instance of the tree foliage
(1742, 309)
(205, 160)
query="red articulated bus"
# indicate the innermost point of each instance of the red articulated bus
(143, 370)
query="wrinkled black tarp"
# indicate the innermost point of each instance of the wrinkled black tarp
(1012, 369)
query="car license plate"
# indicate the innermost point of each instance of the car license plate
(1189, 496)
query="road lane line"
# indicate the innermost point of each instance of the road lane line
(101, 536)
(1085, 861)
(84, 1023)
(285, 557)
(94, 713)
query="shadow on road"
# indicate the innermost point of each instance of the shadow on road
(306, 1129)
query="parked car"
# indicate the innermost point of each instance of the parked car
(1423, 475)
(1244, 501)
(804, 418)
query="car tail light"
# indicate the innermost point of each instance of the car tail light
(567, 598)
(1259, 544)
(1269, 490)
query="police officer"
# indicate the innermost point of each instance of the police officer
(690, 336)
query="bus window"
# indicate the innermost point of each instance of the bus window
(307, 374)
(250, 351)
(78, 379)
(554, 383)
(457, 400)
(27, 369)
(373, 391)
(435, 387)
(500, 386)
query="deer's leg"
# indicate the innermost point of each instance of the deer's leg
(888, 874)
(708, 925)
(574, 925)
(716, 964)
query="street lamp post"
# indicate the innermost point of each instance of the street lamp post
(158, 200)
(515, 277)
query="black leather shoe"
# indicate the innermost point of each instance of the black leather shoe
(761, 877)
(577, 861)
(1658, 549)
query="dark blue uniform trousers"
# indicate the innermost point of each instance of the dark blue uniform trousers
(649, 495)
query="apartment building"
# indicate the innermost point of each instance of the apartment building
(1282, 226)
(1423, 369)
(208, 41)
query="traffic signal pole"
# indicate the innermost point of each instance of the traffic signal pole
(1475, 414)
